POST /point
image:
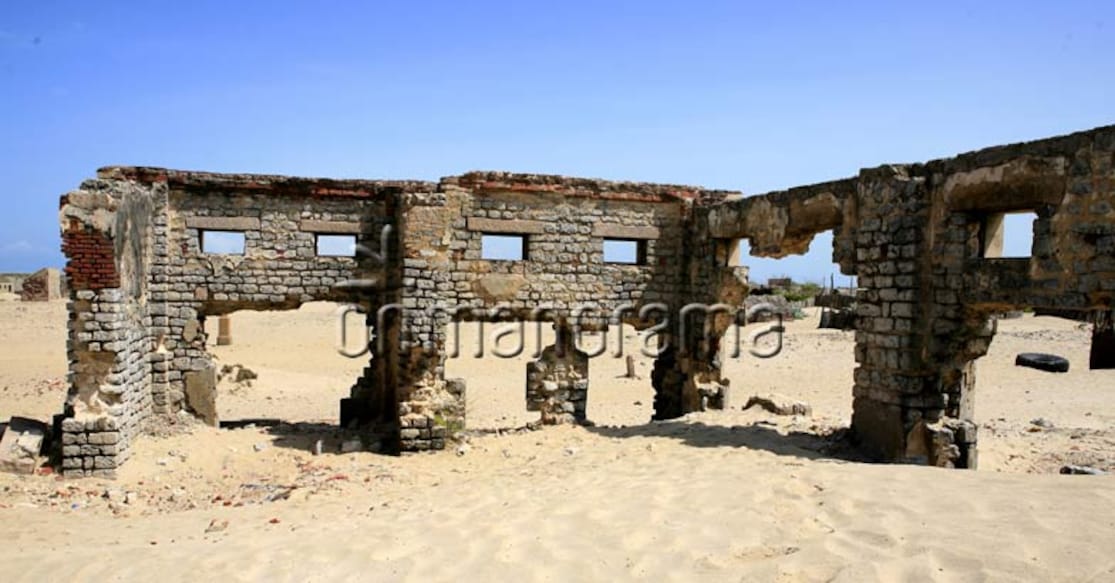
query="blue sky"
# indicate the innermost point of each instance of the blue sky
(735, 95)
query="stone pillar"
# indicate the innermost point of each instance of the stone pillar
(915, 340)
(224, 330)
(105, 238)
(1103, 342)
(373, 401)
(686, 375)
(668, 380)
(892, 393)
(557, 383)
(429, 406)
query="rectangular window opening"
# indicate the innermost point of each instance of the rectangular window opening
(625, 251)
(1008, 235)
(336, 245)
(503, 247)
(222, 242)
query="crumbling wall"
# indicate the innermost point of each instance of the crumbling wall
(557, 382)
(565, 222)
(278, 270)
(1067, 182)
(106, 234)
(42, 286)
(919, 238)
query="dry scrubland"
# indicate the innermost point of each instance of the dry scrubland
(722, 496)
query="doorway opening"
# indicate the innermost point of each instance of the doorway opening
(282, 365)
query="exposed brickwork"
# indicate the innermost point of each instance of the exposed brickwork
(91, 258)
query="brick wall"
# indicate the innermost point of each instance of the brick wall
(91, 259)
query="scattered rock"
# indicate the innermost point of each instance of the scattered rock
(571, 450)
(318, 445)
(779, 404)
(216, 526)
(237, 373)
(260, 446)
(463, 448)
(201, 393)
(21, 445)
(1042, 422)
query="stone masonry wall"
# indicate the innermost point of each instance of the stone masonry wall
(564, 222)
(278, 270)
(919, 237)
(108, 238)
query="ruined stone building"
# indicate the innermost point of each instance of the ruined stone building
(44, 285)
(153, 254)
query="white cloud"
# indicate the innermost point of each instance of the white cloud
(17, 247)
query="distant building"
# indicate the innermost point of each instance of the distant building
(780, 282)
(11, 283)
(42, 286)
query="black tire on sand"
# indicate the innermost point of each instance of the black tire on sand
(1046, 362)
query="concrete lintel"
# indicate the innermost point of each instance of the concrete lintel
(223, 223)
(506, 226)
(330, 227)
(613, 231)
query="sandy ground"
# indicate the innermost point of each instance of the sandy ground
(726, 495)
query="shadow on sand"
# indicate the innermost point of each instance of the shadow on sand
(305, 435)
(760, 435)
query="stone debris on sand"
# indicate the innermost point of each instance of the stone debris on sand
(779, 404)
